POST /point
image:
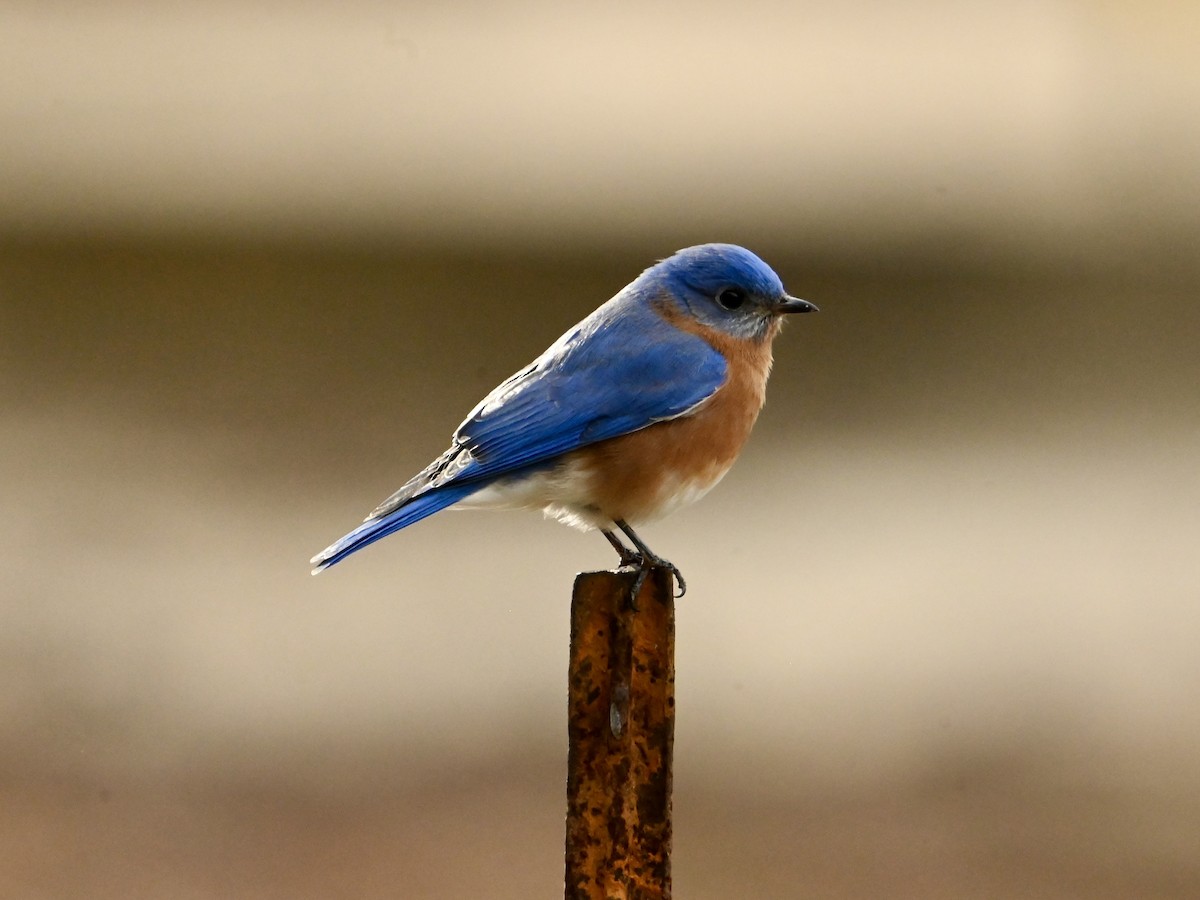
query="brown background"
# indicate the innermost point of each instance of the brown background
(257, 261)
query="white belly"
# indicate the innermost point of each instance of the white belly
(564, 493)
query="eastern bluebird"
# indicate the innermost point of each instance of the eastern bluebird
(638, 410)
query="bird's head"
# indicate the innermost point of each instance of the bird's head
(725, 287)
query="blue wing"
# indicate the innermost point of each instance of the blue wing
(611, 375)
(621, 369)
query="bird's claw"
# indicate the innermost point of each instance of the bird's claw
(636, 564)
(640, 561)
(640, 571)
(679, 579)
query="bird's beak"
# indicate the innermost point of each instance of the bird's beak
(795, 305)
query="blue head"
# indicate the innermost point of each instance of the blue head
(725, 287)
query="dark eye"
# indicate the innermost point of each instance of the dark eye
(731, 298)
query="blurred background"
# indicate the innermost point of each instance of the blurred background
(257, 260)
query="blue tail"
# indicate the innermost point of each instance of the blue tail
(373, 529)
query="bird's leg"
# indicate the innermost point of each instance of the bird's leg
(632, 560)
(628, 557)
(651, 559)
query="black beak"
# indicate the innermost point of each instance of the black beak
(795, 305)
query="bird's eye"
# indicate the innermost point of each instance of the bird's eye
(731, 298)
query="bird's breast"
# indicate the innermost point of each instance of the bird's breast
(651, 472)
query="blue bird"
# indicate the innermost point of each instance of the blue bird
(638, 410)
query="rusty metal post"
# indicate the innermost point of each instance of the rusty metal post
(621, 727)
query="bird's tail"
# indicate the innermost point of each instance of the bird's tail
(373, 529)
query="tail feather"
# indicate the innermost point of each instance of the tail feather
(375, 528)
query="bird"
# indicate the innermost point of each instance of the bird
(638, 410)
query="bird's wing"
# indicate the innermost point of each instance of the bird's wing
(607, 378)
(611, 375)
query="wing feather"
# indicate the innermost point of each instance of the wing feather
(618, 371)
(606, 378)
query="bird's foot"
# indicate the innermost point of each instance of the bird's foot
(679, 579)
(633, 564)
(631, 559)
(640, 561)
(639, 565)
(674, 570)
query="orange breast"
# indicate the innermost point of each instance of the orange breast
(647, 473)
